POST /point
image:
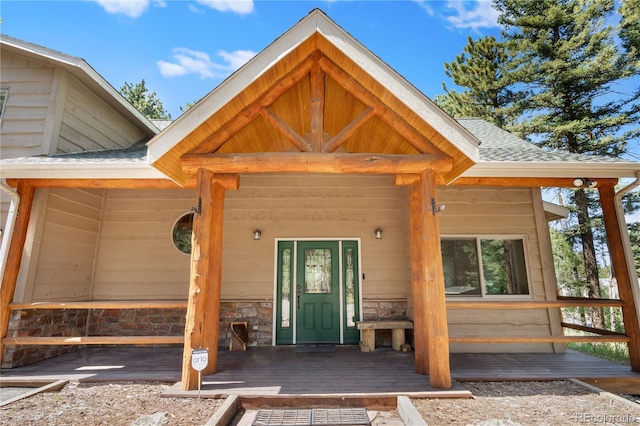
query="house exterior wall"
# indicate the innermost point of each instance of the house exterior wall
(68, 245)
(497, 211)
(88, 123)
(136, 259)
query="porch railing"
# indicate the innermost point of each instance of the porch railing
(598, 335)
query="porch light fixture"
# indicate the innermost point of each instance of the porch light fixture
(435, 208)
(584, 182)
(257, 234)
(378, 234)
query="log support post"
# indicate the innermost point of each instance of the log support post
(612, 223)
(14, 257)
(431, 336)
(203, 306)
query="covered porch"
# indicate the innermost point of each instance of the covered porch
(322, 373)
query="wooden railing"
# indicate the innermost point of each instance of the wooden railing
(97, 340)
(598, 335)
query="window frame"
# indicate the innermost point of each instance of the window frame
(483, 289)
(3, 107)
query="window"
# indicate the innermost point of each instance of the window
(478, 266)
(3, 100)
(182, 231)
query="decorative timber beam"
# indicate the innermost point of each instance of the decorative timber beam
(297, 140)
(620, 266)
(203, 306)
(97, 183)
(391, 118)
(349, 130)
(228, 181)
(14, 257)
(298, 162)
(213, 142)
(316, 80)
(526, 182)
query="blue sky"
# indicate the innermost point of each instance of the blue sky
(183, 49)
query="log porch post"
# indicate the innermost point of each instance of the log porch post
(420, 332)
(621, 271)
(203, 307)
(427, 284)
(14, 258)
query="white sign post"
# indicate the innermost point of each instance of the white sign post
(199, 361)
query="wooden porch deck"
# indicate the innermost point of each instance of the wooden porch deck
(284, 372)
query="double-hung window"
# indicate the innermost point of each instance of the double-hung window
(484, 266)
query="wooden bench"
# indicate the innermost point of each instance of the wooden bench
(368, 328)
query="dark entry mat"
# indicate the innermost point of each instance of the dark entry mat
(315, 348)
(314, 417)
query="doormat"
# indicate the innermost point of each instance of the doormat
(315, 348)
(313, 417)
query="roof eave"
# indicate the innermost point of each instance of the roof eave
(514, 169)
(84, 170)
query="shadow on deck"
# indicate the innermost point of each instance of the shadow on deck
(283, 372)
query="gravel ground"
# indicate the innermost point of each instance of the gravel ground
(494, 403)
(528, 403)
(107, 404)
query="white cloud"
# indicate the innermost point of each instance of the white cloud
(236, 6)
(423, 4)
(482, 16)
(187, 61)
(130, 8)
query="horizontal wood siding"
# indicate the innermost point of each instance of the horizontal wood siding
(29, 83)
(496, 211)
(88, 123)
(68, 246)
(137, 259)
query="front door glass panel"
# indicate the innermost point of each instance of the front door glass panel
(317, 271)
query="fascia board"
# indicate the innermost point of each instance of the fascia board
(85, 73)
(85, 170)
(553, 170)
(230, 88)
(449, 128)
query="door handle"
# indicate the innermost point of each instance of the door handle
(298, 300)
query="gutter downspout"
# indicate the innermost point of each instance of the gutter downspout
(626, 241)
(7, 232)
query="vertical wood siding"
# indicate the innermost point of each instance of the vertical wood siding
(68, 246)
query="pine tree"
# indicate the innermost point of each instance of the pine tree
(147, 103)
(480, 69)
(567, 61)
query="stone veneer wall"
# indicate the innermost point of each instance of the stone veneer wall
(42, 323)
(157, 322)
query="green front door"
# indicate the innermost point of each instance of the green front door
(318, 292)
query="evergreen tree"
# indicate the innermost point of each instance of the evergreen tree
(480, 69)
(630, 27)
(566, 58)
(147, 103)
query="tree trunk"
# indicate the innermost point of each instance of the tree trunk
(589, 254)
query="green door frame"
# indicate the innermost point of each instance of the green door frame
(286, 282)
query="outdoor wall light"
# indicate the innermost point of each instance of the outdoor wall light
(584, 182)
(257, 234)
(378, 234)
